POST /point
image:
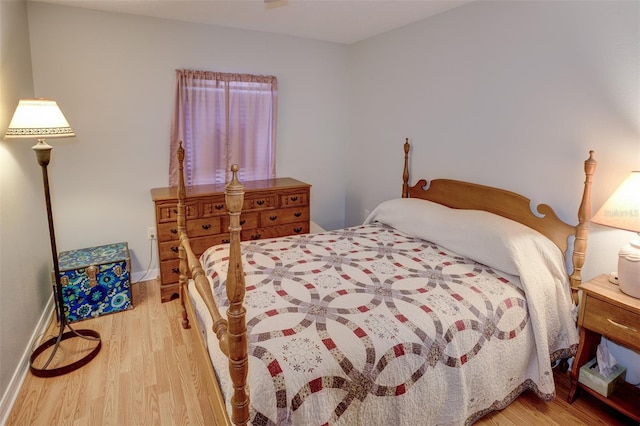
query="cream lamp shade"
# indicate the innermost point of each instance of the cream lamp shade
(622, 211)
(38, 118)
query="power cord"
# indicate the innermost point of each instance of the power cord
(150, 261)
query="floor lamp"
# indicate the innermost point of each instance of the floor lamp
(40, 118)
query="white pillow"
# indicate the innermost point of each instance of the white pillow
(482, 236)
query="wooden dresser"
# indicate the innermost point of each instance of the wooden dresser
(272, 208)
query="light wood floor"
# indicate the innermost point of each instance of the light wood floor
(145, 374)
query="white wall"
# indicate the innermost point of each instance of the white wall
(509, 94)
(25, 253)
(113, 75)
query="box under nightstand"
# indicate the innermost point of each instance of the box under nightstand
(605, 311)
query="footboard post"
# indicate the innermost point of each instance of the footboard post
(182, 228)
(237, 331)
(582, 229)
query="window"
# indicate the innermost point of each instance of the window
(224, 119)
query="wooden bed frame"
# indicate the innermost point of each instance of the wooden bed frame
(232, 332)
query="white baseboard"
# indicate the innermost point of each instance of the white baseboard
(151, 274)
(10, 395)
(315, 228)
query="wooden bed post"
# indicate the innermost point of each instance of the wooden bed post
(238, 359)
(582, 229)
(182, 228)
(405, 173)
(231, 333)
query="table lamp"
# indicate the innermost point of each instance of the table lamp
(622, 211)
(37, 119)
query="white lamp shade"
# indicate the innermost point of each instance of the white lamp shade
(622, 209)
(38, 118)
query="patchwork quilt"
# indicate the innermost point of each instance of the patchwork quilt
(370, 325)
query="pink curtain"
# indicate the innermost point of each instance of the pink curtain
(224, 119)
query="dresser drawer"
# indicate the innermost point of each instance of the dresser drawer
(213, 206)
(169, 249)
(276, 231)
(168, 252)
(267, 201)
(169, 272)
(282, 216)
(195, 228)
(620, 325)
(168, 212)
(247, 221)
(202, 227)
(167, 231)
(294, 199)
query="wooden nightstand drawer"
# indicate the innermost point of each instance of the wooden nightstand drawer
(620, 325)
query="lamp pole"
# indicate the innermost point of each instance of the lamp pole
(40, 118)
(43, 155)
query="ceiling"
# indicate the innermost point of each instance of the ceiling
(340, 21)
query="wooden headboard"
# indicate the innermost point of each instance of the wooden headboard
(464, 195)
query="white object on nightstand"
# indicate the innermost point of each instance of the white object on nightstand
(629, 269)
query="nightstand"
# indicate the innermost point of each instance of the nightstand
(605, 311)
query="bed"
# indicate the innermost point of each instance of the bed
(445, 305)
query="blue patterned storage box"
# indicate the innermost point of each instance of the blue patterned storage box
(95, 281)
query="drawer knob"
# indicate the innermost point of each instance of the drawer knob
(255, 237)
(218, 206)
(225, 241)
(626, 327)
(273, 217)
(173, 231)
(260, 202)
(294, 198)
(175, 270)
(297, 214)
(206, 226)
(297, 230)
(242, 222)
(174, 249)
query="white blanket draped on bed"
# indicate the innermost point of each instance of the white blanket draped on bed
(377, 325)
(507, 246)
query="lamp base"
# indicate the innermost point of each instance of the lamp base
(55, 341)
(629, 269)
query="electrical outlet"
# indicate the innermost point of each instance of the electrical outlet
(151, 233)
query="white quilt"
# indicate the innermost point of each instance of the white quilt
(387, 323)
